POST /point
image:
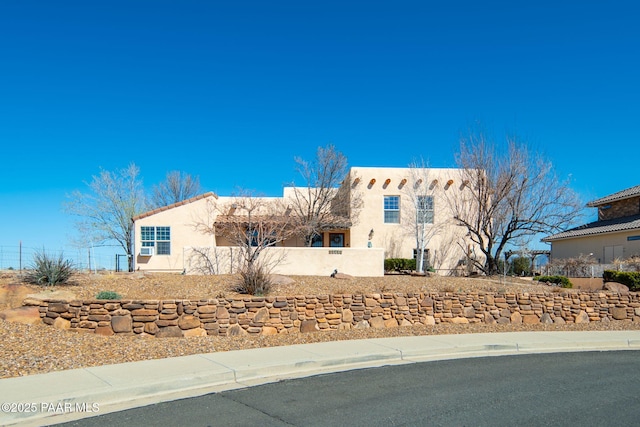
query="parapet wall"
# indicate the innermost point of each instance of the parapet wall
(306, 313)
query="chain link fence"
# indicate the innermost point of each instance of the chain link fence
(20, 257)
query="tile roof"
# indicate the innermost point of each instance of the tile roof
(624, 194)
(598, 227)
(174, 205)
(336, 222)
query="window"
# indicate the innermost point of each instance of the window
(336, 240)
(158, 238)
(392, 209)
(316, 241)
(424, 213)
(259, 238)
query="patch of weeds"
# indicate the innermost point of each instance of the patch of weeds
(108, 295)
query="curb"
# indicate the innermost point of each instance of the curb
(74, 394)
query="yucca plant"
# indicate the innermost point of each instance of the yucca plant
(49, 270)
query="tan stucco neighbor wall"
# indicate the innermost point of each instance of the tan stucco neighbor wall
(570, 248)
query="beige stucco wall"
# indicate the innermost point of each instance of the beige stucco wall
(364, 257)
(182, 220)
(571, 248)
(398, 240)
(291, 261)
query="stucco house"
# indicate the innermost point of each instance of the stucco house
(387, 207)
(615, 235)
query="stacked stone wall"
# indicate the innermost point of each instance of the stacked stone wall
(306, 313)
(619, 209)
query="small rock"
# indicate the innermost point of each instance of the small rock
(188, 321)
(546, 318)
(616, 287)
(121, 324)
(269, 330)
(363, 324)
(169, 332)
(309, 326)
(28, 315)
(619, 313)
(195, 332)
(236, 331)
(104, 331)
(377, 322)
(61, 323)
(582, 317)
(261, 316)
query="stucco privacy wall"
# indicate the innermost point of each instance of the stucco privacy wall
(367, 262)
(306, 313)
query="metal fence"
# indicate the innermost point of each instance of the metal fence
(588, 270)
(19, 257)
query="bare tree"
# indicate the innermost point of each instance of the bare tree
(329, 198)
(106, 211)
(252, 224)
(419, 220)
(176, 187)
(508, 196)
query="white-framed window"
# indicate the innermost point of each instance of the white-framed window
(424, 212)
(156, 237)
(392, 209)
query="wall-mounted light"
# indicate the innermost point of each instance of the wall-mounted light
(371, 234)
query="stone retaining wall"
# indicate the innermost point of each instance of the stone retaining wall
(303, 313)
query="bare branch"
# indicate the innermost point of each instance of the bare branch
(177, 187)
(509, 196)
(327, 200)
(106, 211)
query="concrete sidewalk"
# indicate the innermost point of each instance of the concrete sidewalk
(67, 395)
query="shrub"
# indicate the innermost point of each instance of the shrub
(108, 295)
(521, 266)
(399, 264)
(48, 270)
(628, 278)
(563, 281)
(254, 280)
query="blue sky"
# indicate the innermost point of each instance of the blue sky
(232, 91)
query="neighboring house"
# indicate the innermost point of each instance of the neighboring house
(615, 235)
(388, 205)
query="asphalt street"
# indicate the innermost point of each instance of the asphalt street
(557, 389)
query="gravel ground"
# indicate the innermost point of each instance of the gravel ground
(34, 349)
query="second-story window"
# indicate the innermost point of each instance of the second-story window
(392, 209)
(425, 209)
